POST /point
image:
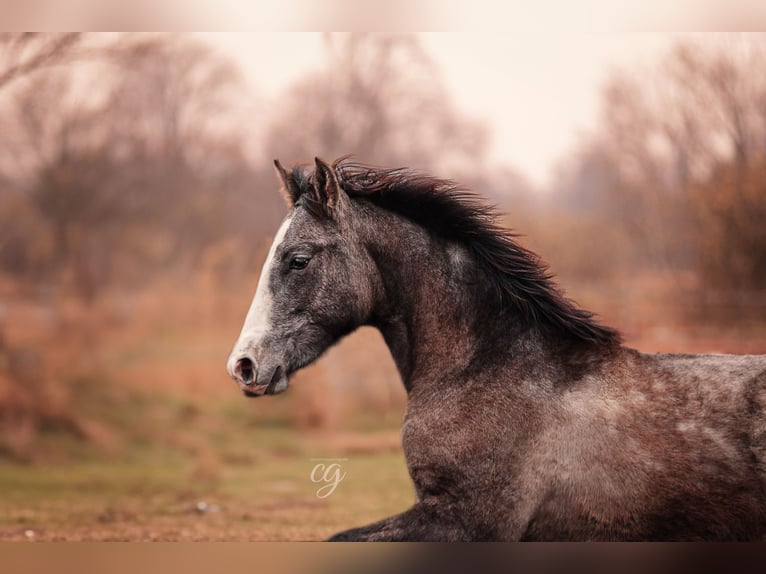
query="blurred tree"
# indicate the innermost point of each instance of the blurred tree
(134, 161)
(584, 225)
(730, 212)
(673, 143)
(176, 110)
(24, 53)
(379, 98)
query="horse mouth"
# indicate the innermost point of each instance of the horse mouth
(276, 385)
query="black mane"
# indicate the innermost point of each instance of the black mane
(518, 275)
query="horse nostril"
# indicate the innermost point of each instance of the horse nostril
(245, 370)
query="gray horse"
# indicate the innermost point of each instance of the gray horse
(526, 419)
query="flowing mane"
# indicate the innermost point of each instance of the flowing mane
(446, 208)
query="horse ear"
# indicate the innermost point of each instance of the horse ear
(290, 189)
(328, 190)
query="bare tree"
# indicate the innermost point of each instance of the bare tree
(174, 93)
(379, 97)
(687, 139)
(24, 53)
(134, 157)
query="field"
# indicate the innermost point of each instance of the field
(157, 494)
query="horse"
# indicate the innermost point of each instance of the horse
(526, 417)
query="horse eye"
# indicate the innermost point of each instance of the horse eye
(299, 262)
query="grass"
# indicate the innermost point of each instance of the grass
(155, 493)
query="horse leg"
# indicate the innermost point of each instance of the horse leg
(420, 523)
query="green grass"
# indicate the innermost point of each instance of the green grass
(153, 495)
(230, 453)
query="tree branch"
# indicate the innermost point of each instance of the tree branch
(49, 53)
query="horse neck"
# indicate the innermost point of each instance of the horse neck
(431, 308)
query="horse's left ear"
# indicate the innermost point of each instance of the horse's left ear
(327, 188)
(290, 189)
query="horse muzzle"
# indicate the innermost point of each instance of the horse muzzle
(257, 378)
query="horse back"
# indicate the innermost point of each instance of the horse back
(659, 447)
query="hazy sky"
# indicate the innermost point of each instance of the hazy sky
(537, 93)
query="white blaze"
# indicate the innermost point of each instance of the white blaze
(258, 319)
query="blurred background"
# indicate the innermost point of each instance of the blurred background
(138, 201)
